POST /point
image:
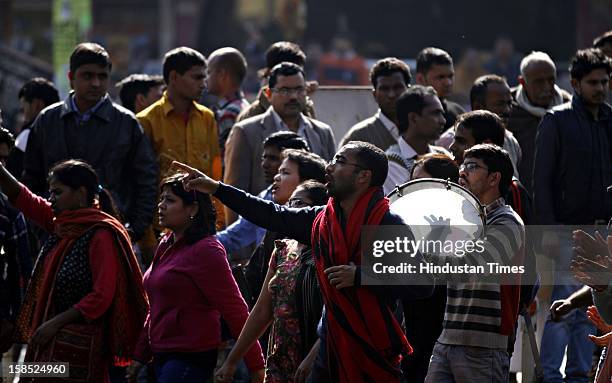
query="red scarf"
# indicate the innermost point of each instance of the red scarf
(364, 340)
(126, 315)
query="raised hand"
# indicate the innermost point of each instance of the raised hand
(195, 179)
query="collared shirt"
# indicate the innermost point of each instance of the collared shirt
(227, 110)
(242, 232)
(281, 124)
(390, 125)
(86, 115)
(194, 143)
(400, 169)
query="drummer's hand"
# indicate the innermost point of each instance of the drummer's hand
(195, 179)
(440, 227)
(341, 276)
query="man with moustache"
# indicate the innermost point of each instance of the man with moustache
(287, 95)
(535, 94)
(89, 126)
(435, 68)
(491, 92)
(481, 315)
(390, 77)
(352, 349)
(420, 117)
(573, 168)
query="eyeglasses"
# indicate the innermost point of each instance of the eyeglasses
(338, 160)
(297, 202)
(471, 166)
(298, 91)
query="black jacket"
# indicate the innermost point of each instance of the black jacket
(297, 224)
(112, 141)
(573, 165)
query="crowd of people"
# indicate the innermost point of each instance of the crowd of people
(167, 239)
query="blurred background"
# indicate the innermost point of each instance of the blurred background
(37, 36)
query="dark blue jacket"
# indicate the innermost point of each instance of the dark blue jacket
(573, 165)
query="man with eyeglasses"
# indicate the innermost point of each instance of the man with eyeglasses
(244, 147)
(353, 348)
(480, 316)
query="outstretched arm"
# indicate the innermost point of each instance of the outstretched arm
(292, 223)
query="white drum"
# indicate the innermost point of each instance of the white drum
(421, 201)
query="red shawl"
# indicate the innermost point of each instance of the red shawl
(125, 317)
(364, 340)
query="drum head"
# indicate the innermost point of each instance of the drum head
(419, 200)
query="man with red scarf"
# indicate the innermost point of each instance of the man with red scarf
(362, 341)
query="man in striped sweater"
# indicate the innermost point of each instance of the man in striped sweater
(481, 316)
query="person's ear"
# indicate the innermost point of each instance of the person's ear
(420, 79)
(521, 80)
(140, 100)
(268, 92)
(576, 85)
(193, 210)
(81, 194)
(494, 178)
(364, 177)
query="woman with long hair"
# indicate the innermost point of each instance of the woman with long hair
(190, 286)
(85, 302)
(290, 303)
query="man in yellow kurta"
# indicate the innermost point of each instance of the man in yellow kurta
(179, 128)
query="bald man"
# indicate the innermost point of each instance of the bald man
(226, 70)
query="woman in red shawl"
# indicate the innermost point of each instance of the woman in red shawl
(85, 303)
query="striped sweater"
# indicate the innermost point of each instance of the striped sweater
(484, 314)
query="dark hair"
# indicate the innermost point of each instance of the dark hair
(388, 66)
(7, 138)
(429, 57)
(371, 157)
(233, 61)
(478, 92)
(411, 101)
(496, 159)
(76, 174)
(284, 51)
(438, 165)
(586, 61)
(310, 165)
(135, 84)
(203, 223)
(483, 125)
(89, 53)
(316, 192)
(39, 88)
(286, 140)
(181, 60)
(603, 39)
(284, 69)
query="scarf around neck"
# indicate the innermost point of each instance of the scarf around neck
(523, 101)
(364, 340)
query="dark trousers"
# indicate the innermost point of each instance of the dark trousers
(423, 320)
(185, 367)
